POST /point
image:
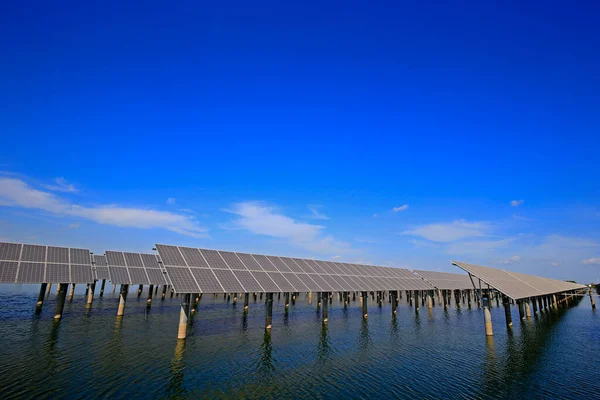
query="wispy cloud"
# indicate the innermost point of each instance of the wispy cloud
(61, 185)
(336, 257)
(450, 231)
(261, 219)
(75, 225)
(477, 247)
(171, 200)
(401, 208)
(512, 260)
(17, 193)
(594, 260)
(516, 203)
(315, 213)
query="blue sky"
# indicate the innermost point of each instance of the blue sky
(396, 134)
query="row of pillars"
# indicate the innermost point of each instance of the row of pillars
(61, 295)
(540, 304)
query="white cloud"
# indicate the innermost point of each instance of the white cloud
(171, 200)
(512, 260)
(17, 193)
(594, 260)
(75, 225)
(314, 212)
(336, 257)
(261, 219)
(401, 208)
(450, 231)
(61, 185)
(477, 247)
(516, 203)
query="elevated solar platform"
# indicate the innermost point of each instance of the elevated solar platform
(446, 280)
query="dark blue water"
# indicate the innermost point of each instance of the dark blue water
(436, 354)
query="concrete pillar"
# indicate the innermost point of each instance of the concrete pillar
(527, 309)
(156, 290)
(325, 312)
(122, 300)
(41, 296)
(444, 295)
(269, 310)
(422, 293)
(150, 292)
(318, 299)
(541, 303)
(429, 301)
(409, 297)
(183, 317)
(90, 297)
(416, 300)
(364, 297)
(102, 287)
(487, 316)
(49, 287)
(507, 313)
(235, 298)
(287, 299)
(172, 292)
(60, 300)
(554, 302)
(534, 304)
(140, 289)
(545, 302)
(521, 309)
(164, 292)
(71, 292)
(114, 285)
(469, 298)
(394, 300)
(592, 299)
(309, 297)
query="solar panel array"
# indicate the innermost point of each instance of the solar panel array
(134, 268)
(100, 267)
(446, 280)
(28, 263)
(517, 285)
(193, 270)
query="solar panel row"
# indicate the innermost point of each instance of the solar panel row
(517, 285)
(193, 270)
(27, 263)
(446, 280)
(134, 268)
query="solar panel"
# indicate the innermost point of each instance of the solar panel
(328, 267)
(304, 266)
(296, 282)
(357, 282)
(446, 280)
(206, 279)
(214, 259)
(281, 282)
(30, 272)
(228, 281)
(8, 271)
(232, 260)
(333, 268)
(150, 261)
(79, 256)
(156, 276)
(309, 283)
(34, 253)
(170, 255)
(10, 252)
(102, 273)
(138, 276)
(115, 259)
(336, 286)
(321, 282)
(182, 279)
(279, 265)
(58, 255)
(81, 274)
(119, 275)
(248, 281)
(249, 262)
(292, 266)
(193, 258)
(133, 260)
(58, 272)
(267, 283)
(264, 262)
(317, 268)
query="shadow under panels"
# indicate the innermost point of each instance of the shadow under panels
(27, 263)
(133, 268)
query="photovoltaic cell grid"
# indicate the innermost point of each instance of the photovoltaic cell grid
(134, 269)
(100, 267)
(193, 270)
(446, 280)
(27, 263)
(516, 285)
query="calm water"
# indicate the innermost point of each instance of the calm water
(433, 355)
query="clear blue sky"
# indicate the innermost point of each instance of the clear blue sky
(297, 130)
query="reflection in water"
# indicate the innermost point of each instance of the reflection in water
(245, 321)
(364, 339)
(177, 370)
(266, 367)
(324, 349)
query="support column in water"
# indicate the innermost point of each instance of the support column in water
(554, 302)
(364, 297)
(469, 298)
(287, 299)
(140, 289)
(72, 292)
(527, 309)
(416, 300)
(183, 317)
(269, 310)
(592, 299)
(445, 299)
(41, 296)
(102, 287)
(429, 301)
(122, 300)
(90, 297)
(60, 300)
(487, 316)
(394, 299)
(325, 312)
(246, 300)
(309, 297)
(507, 313)
(164, 292)
(521, 309)
(150, 292)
